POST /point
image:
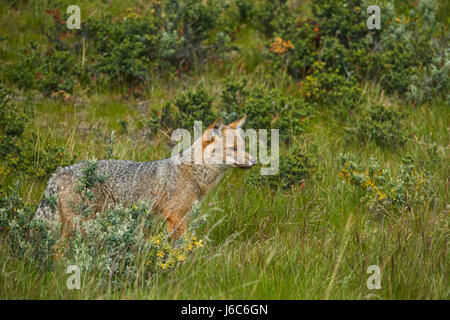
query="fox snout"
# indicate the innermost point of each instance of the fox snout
(248, 163)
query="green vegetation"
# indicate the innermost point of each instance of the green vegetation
(364, 146)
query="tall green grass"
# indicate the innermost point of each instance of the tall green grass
(314, 242)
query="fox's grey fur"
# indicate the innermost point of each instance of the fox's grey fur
(172, 185)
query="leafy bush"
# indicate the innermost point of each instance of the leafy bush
(385, 190)
(52, 72)
(124, 49)
(406, 46)
(264, 15)
(190, 106)
(295, 167)
(171, 36)
(433, 82)
(266, 109)
(337, 93)
(57, 67)
(382, 125)
(17, 152)
(338, 36)
(113, 243)
(31, 239)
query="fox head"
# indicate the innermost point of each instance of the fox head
(224, 145)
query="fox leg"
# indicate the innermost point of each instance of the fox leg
(67, 219)
(176, 226)
(67, 229)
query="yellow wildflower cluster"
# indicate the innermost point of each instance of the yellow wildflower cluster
(364, 180)
(385, 188)
(167, 254)
(280, 46)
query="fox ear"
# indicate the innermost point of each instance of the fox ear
(238, 123)
(213, 130)
(218, 124)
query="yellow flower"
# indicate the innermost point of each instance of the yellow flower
(163, 266)
(199, 243)
(160, 254)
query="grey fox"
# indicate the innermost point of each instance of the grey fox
(172, 185)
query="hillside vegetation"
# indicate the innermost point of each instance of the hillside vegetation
(364, 146)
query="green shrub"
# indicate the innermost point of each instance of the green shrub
(295, 167)
(187, 107)
(383, 126)
(124, 49)
(113, 244)
(266, 109)
(264, 14)
(338, 36)
(57, 67)
(406, 46)
(386, 191)
(52, 71)
(335, 92)
(18, 154)
(172, 36)
(30, 239)
(433, 82)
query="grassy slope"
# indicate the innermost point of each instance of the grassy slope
(313, 243)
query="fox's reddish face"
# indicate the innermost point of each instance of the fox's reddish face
(225, 145)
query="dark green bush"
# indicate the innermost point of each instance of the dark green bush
(264, 15)
(383, 126)
(18, 154)
(266, 109)
(433, 83)
(31, 239)
(194, 105)
(339, 94)
(295, 167)
(337, 35)
(51, 72)
(169, 37)
(124, 49)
